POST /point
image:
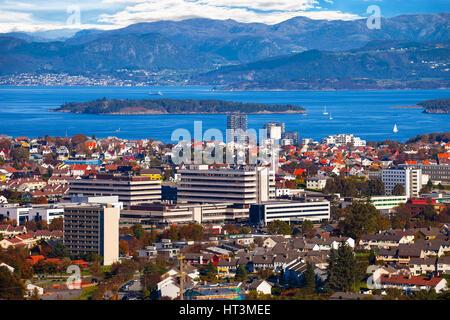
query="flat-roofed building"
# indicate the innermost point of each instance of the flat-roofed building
(410, 179)
(92, 228)
(289, 211)
(437, 173)
(183, 213)
(243, 186)
(386, 203)
(130, 189)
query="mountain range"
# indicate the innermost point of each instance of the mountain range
(226, 52)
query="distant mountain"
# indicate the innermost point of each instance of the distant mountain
(378, 65)
(150, 52)
(299, 53)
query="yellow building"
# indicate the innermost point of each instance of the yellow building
(154, 174)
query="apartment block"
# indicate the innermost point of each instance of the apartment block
(161, 214)
(244, 186)
(130, 189)
(410, 179)
(92, 228)
(437, 173)
(289, 211)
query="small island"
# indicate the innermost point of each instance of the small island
(441, 106)
(173, 106)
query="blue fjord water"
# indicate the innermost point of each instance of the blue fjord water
(24, 111)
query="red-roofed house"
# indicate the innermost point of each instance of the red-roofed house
(410, 283)
(299, 172)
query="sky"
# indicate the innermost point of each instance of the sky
(38, 15)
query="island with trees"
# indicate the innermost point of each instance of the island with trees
(173, 106)
(436, 106)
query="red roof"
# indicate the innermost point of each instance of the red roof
(35, 259)
(299, 172)
(414, 280)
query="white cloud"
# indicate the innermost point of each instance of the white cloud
(39, 15)
(265, 11)
(12, 16)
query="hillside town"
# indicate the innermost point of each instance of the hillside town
(133, 224)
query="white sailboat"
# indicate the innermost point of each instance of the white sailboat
(118, 130)
(325, 111)
(395, 129)
(331, 118)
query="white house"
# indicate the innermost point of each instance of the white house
(168, 288)
(11, 269)
(31, 288)
(260, 286)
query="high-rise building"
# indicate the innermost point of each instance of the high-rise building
(130, 189)
(92, 228)
(275, 130)
(237, 121)
(410, 179)
(244, 186)
(291, 135)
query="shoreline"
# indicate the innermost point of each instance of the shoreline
(171, 113)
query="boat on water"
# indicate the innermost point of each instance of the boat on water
(331, 118)
(395, 130)
(325, 111)
(159, 93)
(118, 130)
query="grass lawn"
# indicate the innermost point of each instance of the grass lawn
(87, 293)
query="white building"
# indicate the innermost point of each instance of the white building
(289, 211)
(13, 211)
(343, 140)
(236, 186)
(386, 203)
(410, 179)
(316, 183)
(260, 286)
(47, 213)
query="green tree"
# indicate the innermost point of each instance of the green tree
(344, 272)
(310, 279)
(96, 270)
(376, 187)
(359, 219)
(279, 227)
(59, 251)
(241, 273)
(20, 154)
(208, 271)
(138, 231)
(11, 286)
(307, 226)
(398, 190)
(372, 257)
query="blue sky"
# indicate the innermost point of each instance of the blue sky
(38, 15)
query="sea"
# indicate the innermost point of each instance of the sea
(370, 114)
